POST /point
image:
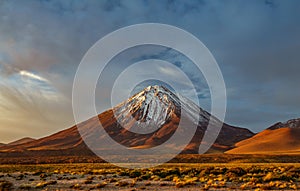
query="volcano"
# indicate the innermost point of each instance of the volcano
(147, 119)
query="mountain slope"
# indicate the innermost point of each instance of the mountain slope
(65, 139)
(279, 138)
(155, 112)
(22, 141)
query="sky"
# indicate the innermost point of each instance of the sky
(255, 43)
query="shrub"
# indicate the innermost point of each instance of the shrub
(101, 185)
(5, 185)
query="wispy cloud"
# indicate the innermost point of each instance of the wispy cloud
(31, 108)
(32, 75)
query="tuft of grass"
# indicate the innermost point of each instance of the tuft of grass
(44, 184)
(25, 187)
(122, 183)
(5, 185)
(147, 183)
(112, 180)
(270, 176)
(75, 186)
(101, 185)
(88, 182)
(135, 174)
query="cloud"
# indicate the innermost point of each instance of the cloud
(31, 108)
(33, 76)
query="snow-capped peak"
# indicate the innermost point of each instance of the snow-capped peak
(154, 106)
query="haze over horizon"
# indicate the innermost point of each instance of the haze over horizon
(255, 43)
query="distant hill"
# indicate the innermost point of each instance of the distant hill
(21, 141)
(292, 123)
(280, 138)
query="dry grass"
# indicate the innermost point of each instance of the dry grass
(166, 177)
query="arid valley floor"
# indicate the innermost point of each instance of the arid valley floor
(170, 176)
